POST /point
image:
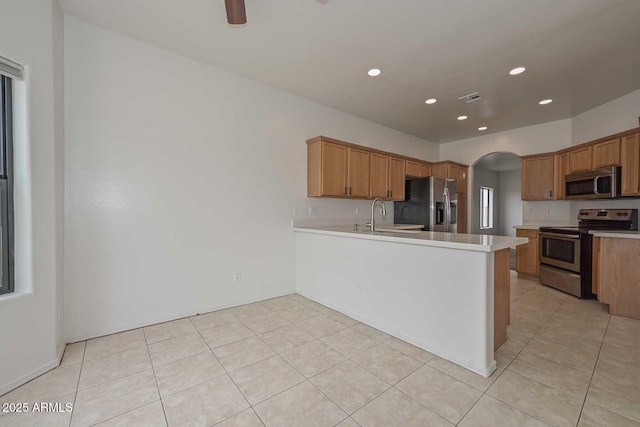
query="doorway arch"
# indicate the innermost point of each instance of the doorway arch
(497, 178)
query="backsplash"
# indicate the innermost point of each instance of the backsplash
(319, 211)
(557, 211)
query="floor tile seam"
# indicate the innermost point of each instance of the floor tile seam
(127, 412)
(595, 365)
(420, 403)
(383, 380)
(75, 396)
(516, 408)
(172, 337)
(155, 379)
(117, 352)
(150, 367)
(225, 370)
(463, 382)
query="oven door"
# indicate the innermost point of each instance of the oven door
(560, 250)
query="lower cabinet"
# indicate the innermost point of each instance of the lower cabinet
(528, 255)
(616, 274)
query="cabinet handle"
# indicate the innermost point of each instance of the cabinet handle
(349, 190)
(387, 193)
(391, 193)
(550, 194)
(345, 190)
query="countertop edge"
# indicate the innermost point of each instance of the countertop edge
(419, 242)
(615, 234)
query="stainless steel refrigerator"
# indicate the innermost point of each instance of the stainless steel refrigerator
(430, 201)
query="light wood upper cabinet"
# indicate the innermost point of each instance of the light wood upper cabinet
(561, 165)
(379, 176)
(606, 153)
(397, 175)
(327, 169)
(580, 159)
(424, 171)
(413, 169)
(452, 171)
(538, 177)
(527, 255)
(358, 168)
(630, 162)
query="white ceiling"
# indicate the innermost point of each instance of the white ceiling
(581, 53)
(500, 162)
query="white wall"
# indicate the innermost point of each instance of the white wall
(179, 174)
(484, 178)
(28, 337)
(613, 117)
(510, 196)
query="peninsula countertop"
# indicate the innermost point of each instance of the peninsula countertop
(617, 234)
(468, 242)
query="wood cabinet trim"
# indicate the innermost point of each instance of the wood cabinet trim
(362, 147)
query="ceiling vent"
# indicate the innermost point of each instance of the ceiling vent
(472, 97)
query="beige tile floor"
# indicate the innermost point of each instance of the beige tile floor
(292, 362)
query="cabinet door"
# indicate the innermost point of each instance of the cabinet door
(527, 255)
(462, 179)
(561, 170)
(379, 176)
(413, 169)
(396, 178)
(425, 170)
(537, 178)
(462, 213)
(358, 171)
(334, 169)
(580, 159)
(630, 161)
(441, 170)
(606, 153)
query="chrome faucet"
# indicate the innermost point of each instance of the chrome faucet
(372, 223)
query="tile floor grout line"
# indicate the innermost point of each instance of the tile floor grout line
(595, 365)
(509, 364)
(75, 396)
(515, 373)
(227, 373)
(155, 378)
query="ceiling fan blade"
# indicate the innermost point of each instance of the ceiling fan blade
(236, 12)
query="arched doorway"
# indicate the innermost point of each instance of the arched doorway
(496, 203)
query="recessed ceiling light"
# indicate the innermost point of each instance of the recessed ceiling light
(430, 101)
(517, 70)
(482, 128)
(462, 117)
(374, 72)
(545, 101)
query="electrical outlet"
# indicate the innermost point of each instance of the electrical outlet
(357, 211)
(237, 276)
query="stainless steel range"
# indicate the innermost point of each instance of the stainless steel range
(565, 252)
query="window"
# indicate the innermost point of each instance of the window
(486, 208)
(6, 187)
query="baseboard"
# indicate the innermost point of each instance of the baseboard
(480, 370)
(168, 318)
(7, 387)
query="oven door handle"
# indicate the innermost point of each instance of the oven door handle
(595, 185)
(560, 236)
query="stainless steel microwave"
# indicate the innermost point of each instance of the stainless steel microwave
(593, 184)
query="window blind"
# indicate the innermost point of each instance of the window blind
(10, 69)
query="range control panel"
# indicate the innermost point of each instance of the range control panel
(608, 214)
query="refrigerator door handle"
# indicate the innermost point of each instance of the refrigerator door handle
(447, 209)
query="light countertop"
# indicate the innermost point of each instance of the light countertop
(468, 242)
(618, 234)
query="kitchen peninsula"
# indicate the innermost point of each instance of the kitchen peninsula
(443, 292)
